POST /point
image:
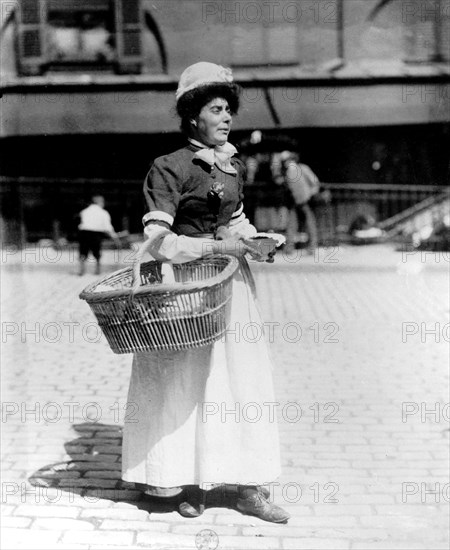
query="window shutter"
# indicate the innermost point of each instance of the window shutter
(129, 23)
(426, 32)
(30, 37)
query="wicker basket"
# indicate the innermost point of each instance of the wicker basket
(140, 313)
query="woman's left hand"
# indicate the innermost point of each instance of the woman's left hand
(256, 253)
(259, 253)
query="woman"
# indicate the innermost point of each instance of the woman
(201, 418)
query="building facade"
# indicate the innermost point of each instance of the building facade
(88, 93)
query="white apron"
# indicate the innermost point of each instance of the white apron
(206, 415)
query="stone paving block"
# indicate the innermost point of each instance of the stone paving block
(115, 513)
(104, 474)
(92, 465)
(63, 546)
(108, 449)
(338, 455)
(332, 463)
(134, 525)
(113, 494)
(391, 545)
(441, 473)
(441, 455)
(94, 483)
(187, 542)
(325, 532)
(111, 459)
(237, 519)
(7, 509)
(104, 538)
(8, 521)
(285, 531)
(76, 449)
(353, 490)
(392, 522)
(159, 541)
(88, 441)
(406, 474)
(315, 544)
(324, 521)
(342, 510)
(58, 474)
(84, 502)
(336, 473)
(174, 517)
(126, 485)
(410, 510)
(359, 498)
(62, 524)
(249, 543)
(51, 511)
(193, 529)
(5, 465)
(23, 538)
(17, 448)
(94, 427)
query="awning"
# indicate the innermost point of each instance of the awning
(136, 107)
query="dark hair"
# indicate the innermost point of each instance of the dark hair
(191, 103)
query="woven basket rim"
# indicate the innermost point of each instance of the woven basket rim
(89, 295)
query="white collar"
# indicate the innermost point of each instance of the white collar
(219, 155)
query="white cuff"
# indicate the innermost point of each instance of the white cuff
(241, 226)
(159, 216)
(238, 212)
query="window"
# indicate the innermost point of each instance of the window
(81, 35)
(427, 36)
(255, 45)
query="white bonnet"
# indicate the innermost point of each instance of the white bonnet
(200, 74)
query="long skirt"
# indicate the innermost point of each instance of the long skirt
(206, 415)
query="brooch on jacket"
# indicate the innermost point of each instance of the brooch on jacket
(215, 195)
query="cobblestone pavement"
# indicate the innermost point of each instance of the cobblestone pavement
(360, 342)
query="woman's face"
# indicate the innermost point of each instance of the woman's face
(213, 123)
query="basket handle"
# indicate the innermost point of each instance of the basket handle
(166, 267)
(137, 267)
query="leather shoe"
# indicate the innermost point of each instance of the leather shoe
(264, 491)
(188, 510)
(257, 505)
(192, 502)
(226, 495)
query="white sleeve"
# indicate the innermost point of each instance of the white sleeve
(167, 246)
(240, 225)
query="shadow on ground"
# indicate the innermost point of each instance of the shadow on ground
(94, 471)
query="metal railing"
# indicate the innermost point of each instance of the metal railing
(29, 202)
(350, 200)
(380, 201)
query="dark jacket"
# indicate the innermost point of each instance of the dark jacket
(180, 185)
